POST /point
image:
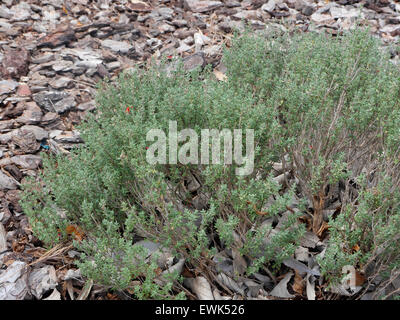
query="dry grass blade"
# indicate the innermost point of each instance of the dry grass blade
(70, 289)
(86, 290)
(54, 252)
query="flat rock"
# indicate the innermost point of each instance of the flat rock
(27, 161)
(25, 140)
(47, 57)
(21, 12)
(269, 6)
(5, 12)
(6, 125)
(31, 115)
(23, 90)
(60, 83)
(116, 46)
(65, 105)
(15, 64)
(340, 12)
(87, 106)
(194, 61)
(67, 137)
(47, 99)
(202, 5)
(38, 132)
(9, 183)
(7, 86)
(58, 37)
(139, 6)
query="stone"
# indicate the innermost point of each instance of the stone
(86, 106)
(339, 12)
(23, 90)
(62, 66)
(25, 140)
(21, 12)
(61, 36)
(15, 64)
(139, 6)
(5, 138)
(27, 161)
(5, 12)
(61, 83)
(165, 27)
(165, 12)
(202, 5)
(38, 132)
(47, 57)
(213, 51)
(51, 120)
(184, 48)
(68, 137)
(113, 65)
(7, 182)
(31, 115)
(307, 10)
(14, 171)
(47, 99)
(194, 61)
(65, 105)
(116, 46)
(6, 125)
(269, 6)
(180, 23)
(50, 15)
(321, 18)
(7, 86)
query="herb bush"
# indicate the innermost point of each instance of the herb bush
(327, 108)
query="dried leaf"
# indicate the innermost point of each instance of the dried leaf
(177, 267)
(324, 227)
(360, 279)
(70, 289)
(310, 288)
(76, 231)
(200, 287)
(230, 283)
(86, 290)
(309, 240)
(55, 295)
(300, 267)
(239, 263)
(3, 237)
(111, 296)
(302, 254)
(298, 284)
(42, 280)
(281, 290)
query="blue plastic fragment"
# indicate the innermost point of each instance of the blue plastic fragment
(44, 146)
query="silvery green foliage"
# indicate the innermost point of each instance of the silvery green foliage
(330, 104)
